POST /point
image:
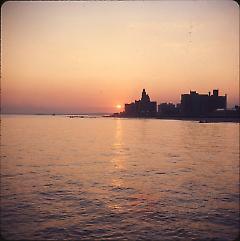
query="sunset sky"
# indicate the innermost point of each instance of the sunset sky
(90, 56)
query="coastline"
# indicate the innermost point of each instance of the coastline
(199, 119)
(90, 115)
(204, 119)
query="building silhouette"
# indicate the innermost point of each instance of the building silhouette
(195, 104)
(141, 108)
(168, 109)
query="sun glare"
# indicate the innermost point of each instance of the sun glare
(118, 106)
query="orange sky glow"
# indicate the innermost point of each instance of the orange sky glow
(91, 56)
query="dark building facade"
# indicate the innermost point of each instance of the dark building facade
(168, 109)
(141, 108)
(195, 104)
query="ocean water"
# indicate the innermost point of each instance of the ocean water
(118, 179)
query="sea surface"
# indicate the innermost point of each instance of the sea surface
(118, 179)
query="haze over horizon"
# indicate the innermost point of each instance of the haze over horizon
(90, 56)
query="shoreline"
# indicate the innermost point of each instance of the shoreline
(199, 119)
(205, 119)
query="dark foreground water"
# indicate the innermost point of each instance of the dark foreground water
(118, 179)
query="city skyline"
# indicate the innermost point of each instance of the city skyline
(211, 106)
(75, 57)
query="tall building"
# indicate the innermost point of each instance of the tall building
(141, 108)
(195, 104)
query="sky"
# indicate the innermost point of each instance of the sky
(90, 56)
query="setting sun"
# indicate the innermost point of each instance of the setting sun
(118, 106)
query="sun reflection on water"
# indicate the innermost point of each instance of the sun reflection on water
(118, 165)
(118, 160)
